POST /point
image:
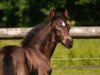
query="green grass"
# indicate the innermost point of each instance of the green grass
(76, 72)
(82, 48)
(9, 42)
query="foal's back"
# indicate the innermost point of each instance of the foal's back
(13, 61)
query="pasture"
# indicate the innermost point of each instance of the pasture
(82, 48)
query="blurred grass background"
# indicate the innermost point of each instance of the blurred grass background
(82, 48)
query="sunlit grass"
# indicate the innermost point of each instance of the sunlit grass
(76, 72)
(82, 48)
(9, 42)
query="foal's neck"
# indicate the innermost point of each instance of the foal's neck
(45, 41)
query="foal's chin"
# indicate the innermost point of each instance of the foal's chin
(67, 45)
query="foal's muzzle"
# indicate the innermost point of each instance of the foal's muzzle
(69, 43)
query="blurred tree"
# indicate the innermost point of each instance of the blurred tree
(84, 10)
(18, 13)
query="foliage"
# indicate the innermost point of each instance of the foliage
(18, 13)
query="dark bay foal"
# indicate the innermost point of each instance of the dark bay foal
(39, 44)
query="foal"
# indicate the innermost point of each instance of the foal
(39, 44)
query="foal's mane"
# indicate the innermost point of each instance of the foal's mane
(32, 33)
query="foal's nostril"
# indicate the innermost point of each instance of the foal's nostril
(69, 42)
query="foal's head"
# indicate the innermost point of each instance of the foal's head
(61, 28)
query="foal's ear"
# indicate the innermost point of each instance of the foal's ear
(66, 14)
(52, 13)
